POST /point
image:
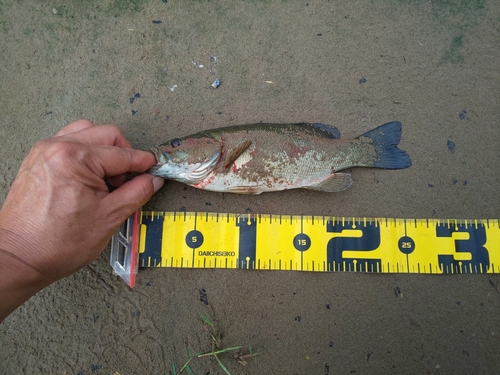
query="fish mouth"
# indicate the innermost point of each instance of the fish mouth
(183, 172)
(161, 159)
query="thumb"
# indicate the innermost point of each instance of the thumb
(132, 195)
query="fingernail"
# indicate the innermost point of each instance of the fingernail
(158, 183)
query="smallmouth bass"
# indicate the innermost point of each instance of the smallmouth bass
(257, 158)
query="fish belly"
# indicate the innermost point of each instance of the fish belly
(234, 183)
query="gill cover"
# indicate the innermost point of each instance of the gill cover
(188, 160)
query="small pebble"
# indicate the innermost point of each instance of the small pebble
(451, 146)
(215, 83)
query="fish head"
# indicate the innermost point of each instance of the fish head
(188, 160)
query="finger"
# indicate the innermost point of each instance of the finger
(118, 180)
(131, 196)
(109, 135)
(114, 161)
(75, 127)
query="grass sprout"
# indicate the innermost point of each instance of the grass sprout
(217, 349)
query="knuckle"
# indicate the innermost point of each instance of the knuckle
(115, 130)
(58, 154)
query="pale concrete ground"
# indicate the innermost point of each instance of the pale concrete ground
(432, 65)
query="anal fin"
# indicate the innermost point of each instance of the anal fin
(333, 183)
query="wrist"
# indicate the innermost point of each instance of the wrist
(18, 279)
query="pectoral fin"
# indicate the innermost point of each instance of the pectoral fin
(333, 183)
(233, 153)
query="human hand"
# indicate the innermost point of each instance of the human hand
(59, 214)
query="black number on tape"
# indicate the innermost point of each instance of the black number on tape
(154, 230)
(302, 242)
(194, 239)
(406, 245)
(370, 240)
(480, 261)
(247, 243)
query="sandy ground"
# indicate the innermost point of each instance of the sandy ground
(147, 66)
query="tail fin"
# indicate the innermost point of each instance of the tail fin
(385, 139)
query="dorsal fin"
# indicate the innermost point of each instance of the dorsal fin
(330, 129)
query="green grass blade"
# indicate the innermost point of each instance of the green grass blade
(186, 365)
(189, 371)
(228, 349)
(222, 365)
(220, 351)
(174, 371)
(206, 320)
(188, 349)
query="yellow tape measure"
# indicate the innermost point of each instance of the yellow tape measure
(307, 243)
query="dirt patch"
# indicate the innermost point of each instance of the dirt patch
(148, 66)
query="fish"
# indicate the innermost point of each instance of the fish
(258, 158)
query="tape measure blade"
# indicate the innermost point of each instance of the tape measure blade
(319, 243)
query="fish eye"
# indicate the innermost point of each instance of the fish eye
(175, 142)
